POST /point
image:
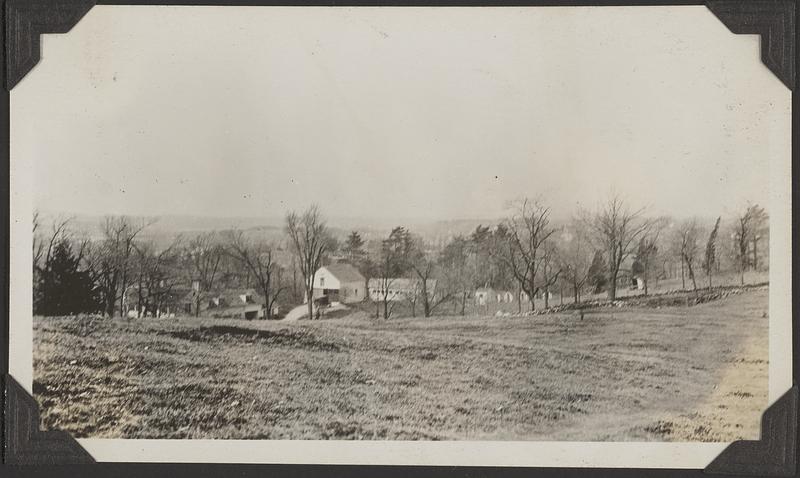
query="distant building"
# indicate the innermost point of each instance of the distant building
(340, 283)
(505, 296)
(238, 303)
(637, 282)
(163, 301)
(395, 289)
(227, 303)
(485, 295)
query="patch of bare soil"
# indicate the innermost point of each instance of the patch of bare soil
(288, 338)
(733, 410)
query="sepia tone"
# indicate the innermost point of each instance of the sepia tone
(464, 259)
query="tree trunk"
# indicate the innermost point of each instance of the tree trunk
(140, 300)
(612, 274)
(294, 281)
(267, 308)
(612, 285)
(691, 276)
(111, 299)
(124, 290)
(546, 288)
(426, 304)
(310, 295)
(683, 278)
(532, 293)
(755, 253)
(644, 276)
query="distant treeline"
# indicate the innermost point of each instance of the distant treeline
(121, 269)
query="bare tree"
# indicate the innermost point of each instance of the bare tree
(157, 274)
(430, 297)
(202, 259)
(576, 258)
(550, 269)
(648, 249)
(259, 258)
(758, 220)
(686, 236)
(748, 227)
(424, 266)
(43, 246)
(310, 239)
(38, 243)
(413, 296)
(519, 244)
(394, 262)
(457, 262)
(110, 261)
(616, 230)
(384, 287)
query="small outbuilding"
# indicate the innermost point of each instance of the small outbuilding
(505, 297)
(485, 295)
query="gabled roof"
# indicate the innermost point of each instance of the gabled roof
(234, 296)
(345, 272)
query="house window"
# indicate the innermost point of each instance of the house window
(322, 282)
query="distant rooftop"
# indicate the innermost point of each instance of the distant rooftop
(345, 272)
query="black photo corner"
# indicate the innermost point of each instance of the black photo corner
(29, 451)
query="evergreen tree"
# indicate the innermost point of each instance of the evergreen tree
(711, 252)
(65, 289)
(598, 272)
(353, 249)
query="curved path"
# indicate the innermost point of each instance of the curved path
(302, 311)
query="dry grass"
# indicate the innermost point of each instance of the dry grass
(674, 373)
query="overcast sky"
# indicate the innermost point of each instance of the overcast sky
(426, 113)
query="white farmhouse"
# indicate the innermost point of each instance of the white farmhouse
(339, 283)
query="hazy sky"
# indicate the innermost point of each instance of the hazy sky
(405, 112)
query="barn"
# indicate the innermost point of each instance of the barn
(339, 282)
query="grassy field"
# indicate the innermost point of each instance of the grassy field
(672, 373)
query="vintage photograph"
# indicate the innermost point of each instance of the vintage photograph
(523, 224)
